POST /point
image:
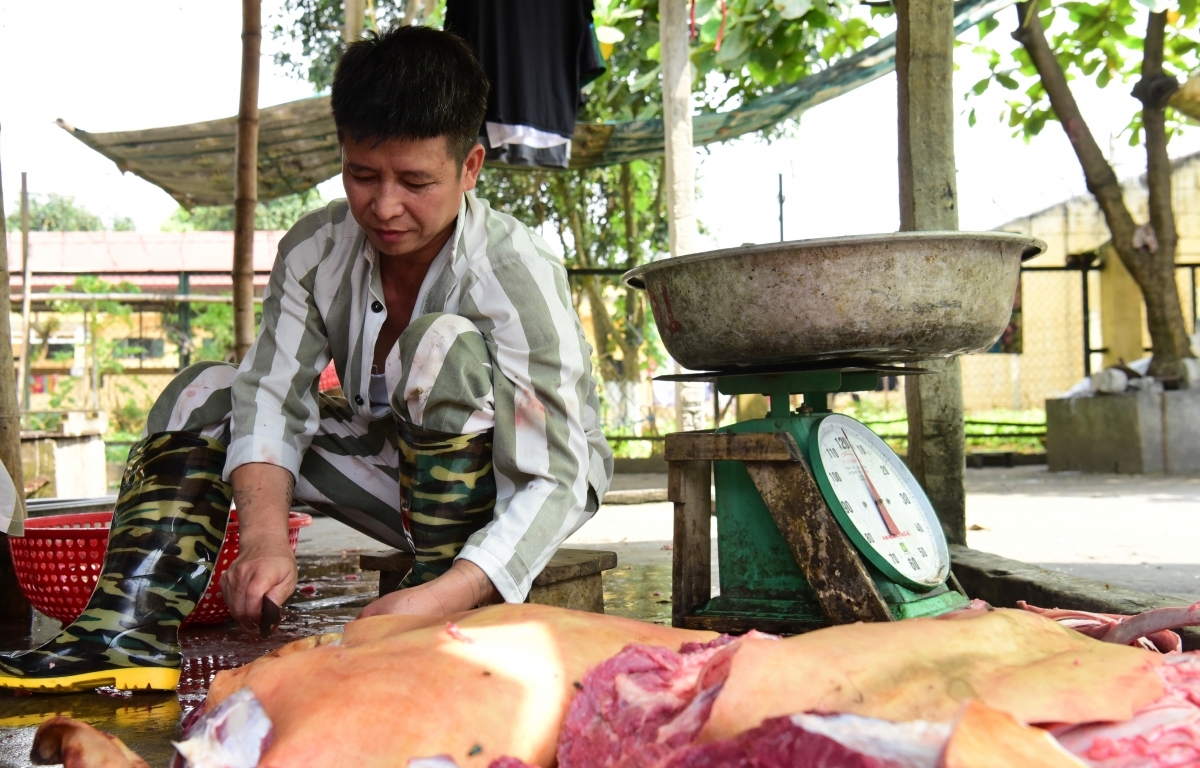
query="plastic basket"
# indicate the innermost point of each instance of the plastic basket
(59, 558)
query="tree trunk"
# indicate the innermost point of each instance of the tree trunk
(929, 201)
(603, 330)
(26, 297)
(1168, 334)
(673, 35)
(247, 181)
(1141, 249)
(631, 337)
(13, 605)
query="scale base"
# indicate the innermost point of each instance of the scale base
(735, 615)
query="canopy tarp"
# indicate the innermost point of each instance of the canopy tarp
(298, 146)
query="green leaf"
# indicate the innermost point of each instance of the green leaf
(645, 81)
(1007, 81)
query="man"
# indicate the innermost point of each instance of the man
(468, 431)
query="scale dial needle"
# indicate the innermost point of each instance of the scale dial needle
(893, 529)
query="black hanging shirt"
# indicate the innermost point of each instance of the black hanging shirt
(537, 55)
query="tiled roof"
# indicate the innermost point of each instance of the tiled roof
(137, 252)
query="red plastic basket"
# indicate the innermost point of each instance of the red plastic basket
(59, 558)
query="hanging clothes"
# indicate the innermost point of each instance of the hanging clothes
(537, 54)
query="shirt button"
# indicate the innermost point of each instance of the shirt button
(358, 399)
(376, 306)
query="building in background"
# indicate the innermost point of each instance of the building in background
(1052, 331)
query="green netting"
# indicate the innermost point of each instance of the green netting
(298, 146)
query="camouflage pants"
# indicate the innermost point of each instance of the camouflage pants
(417, 475)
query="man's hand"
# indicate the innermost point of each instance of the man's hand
(265, 564)
(459, 589)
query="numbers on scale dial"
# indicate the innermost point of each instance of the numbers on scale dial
(879, 499)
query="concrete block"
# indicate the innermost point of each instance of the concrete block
(1121, 434)
(1181, 430)
(572, 579)
(1133, 433)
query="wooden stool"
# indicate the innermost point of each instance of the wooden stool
(572, 579)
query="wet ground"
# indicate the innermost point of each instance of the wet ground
(329, 573)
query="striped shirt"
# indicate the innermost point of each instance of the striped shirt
(548, 450)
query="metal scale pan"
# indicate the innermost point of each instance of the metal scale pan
(888, 298)
(819, 521)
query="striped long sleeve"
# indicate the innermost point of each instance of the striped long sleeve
(548, 452)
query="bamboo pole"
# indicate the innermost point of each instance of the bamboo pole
(26, 276)
(352, 21)
(247, 181)
(13, 605)
(928, 201)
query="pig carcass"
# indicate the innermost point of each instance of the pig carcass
(498, 682)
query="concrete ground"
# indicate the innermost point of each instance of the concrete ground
(1139, 532)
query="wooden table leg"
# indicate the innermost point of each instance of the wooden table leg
(689, 486)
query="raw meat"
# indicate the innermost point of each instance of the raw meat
(987, 738)
(1146, 625)
(1150, 630)
(978, 738)
(79, 745)
(643, 704)
(498, 683)
(1162, 735)
(234, 735)
(822, 741)
(397, 691)
(923, 669)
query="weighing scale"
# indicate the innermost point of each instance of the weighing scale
(819, 521)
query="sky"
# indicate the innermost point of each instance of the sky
(132, 64)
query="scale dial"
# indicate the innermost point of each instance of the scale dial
(879, 503)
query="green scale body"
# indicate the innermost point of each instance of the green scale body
(759, 577)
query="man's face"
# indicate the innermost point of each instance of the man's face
(404, 193)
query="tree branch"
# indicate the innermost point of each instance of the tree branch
(1101, 180)
(1158, 163)
(602, 324)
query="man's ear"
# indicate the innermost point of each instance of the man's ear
(472, 166)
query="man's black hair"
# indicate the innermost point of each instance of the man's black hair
(410, 83)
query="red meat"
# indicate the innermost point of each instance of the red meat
(1150, 630)
(822, 741)
(644, 704)
(1164, 734)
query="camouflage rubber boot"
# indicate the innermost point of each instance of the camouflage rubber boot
(447, 493)
(167, 528)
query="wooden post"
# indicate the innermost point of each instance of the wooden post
(688, 486)
(680, 178)
(352, 20)
(13, 605)
(26, 295)
(929, 201)
(247, 181)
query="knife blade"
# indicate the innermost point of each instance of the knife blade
(271, 616)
